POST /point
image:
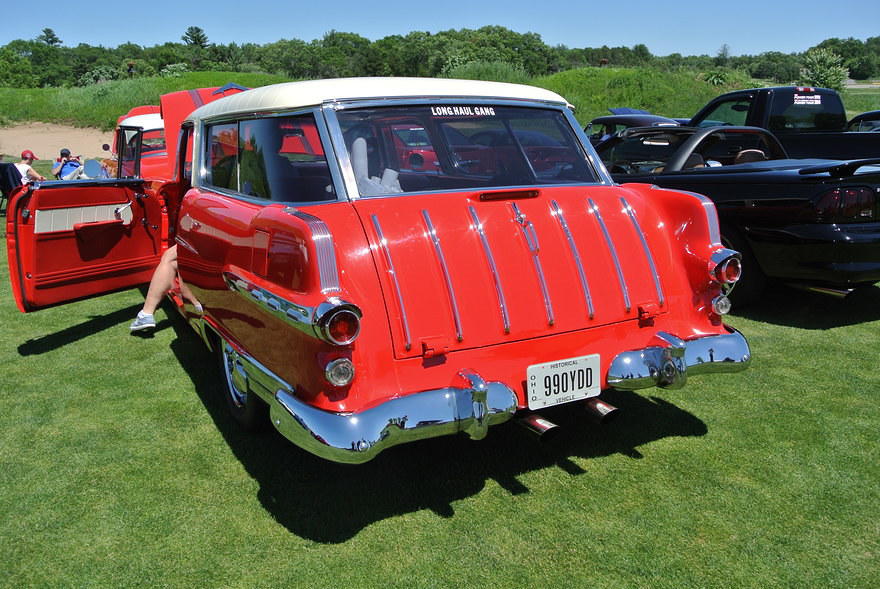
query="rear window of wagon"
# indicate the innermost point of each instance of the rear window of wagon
(459, 147)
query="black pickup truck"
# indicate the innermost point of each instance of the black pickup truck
(809, 122)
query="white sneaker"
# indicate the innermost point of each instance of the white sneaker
(142, 321)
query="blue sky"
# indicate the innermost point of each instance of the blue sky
(686, 27)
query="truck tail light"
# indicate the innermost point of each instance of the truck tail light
(340, 326)
(846, 205)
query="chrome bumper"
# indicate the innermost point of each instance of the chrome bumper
(358, 437)
(669, 363)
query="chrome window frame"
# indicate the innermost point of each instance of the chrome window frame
(344, 161)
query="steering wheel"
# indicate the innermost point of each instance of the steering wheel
(621, 167)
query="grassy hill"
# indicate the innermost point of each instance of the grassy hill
(593, 90)
(590, 90)
(99, 105)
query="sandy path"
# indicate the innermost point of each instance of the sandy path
(46, 140)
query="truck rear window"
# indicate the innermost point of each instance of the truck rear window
(804, 110)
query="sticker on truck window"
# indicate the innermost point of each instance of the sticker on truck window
(808, 99)
(463, 111)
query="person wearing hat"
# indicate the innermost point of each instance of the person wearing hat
(65, 164)
(28, 174)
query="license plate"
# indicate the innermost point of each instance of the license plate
(563, 381)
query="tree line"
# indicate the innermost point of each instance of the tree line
(46, 61)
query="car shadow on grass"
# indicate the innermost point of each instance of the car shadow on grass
(330, 503)
(783, 305)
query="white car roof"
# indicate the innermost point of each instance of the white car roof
(293, 95)
(148, 122)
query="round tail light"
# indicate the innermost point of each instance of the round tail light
(721, 305)
(339, 372)
(728, 271)
(341, 326)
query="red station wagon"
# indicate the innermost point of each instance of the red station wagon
(363, 297)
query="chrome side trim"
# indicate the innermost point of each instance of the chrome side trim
(393, 274)
(668, 363)
(499, 291)
(450, 290)
(585, 288)
(594, 210)
(304, 318)
(326, 253)
(528, 231)
(632, 217)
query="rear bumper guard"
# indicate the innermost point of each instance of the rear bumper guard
(669, 363)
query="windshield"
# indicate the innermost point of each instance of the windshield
(461, 147)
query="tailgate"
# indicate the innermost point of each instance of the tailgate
(461, 271)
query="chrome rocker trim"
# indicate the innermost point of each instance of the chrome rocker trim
(669, 363)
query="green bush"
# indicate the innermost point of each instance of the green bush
(494, 71)
(174, 70)
(824, 68)
(102, 73)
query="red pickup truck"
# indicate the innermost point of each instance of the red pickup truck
(358, 297)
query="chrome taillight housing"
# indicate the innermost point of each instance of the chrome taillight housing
(339, 324)
(726, 267)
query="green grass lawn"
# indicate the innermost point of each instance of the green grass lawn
(120, 467)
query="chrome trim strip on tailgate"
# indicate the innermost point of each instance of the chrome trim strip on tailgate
(528, 231)
(594, 210)
(560, 217)
(323, 240)
(391, 271)
(502, 302)
(632, 216)
(438, 250)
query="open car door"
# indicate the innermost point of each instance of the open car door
(69, 240)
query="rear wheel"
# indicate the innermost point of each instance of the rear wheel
(248, 409)
(751, 284)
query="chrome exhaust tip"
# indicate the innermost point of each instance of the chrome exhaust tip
(600, 410)
(840, 293)
(543, 428)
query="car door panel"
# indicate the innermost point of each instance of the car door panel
(71, 240)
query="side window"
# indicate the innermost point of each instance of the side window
(730, 112)
(277, 159)
(129, 141)
(221, 156)
(184, 158)
(153, 142)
